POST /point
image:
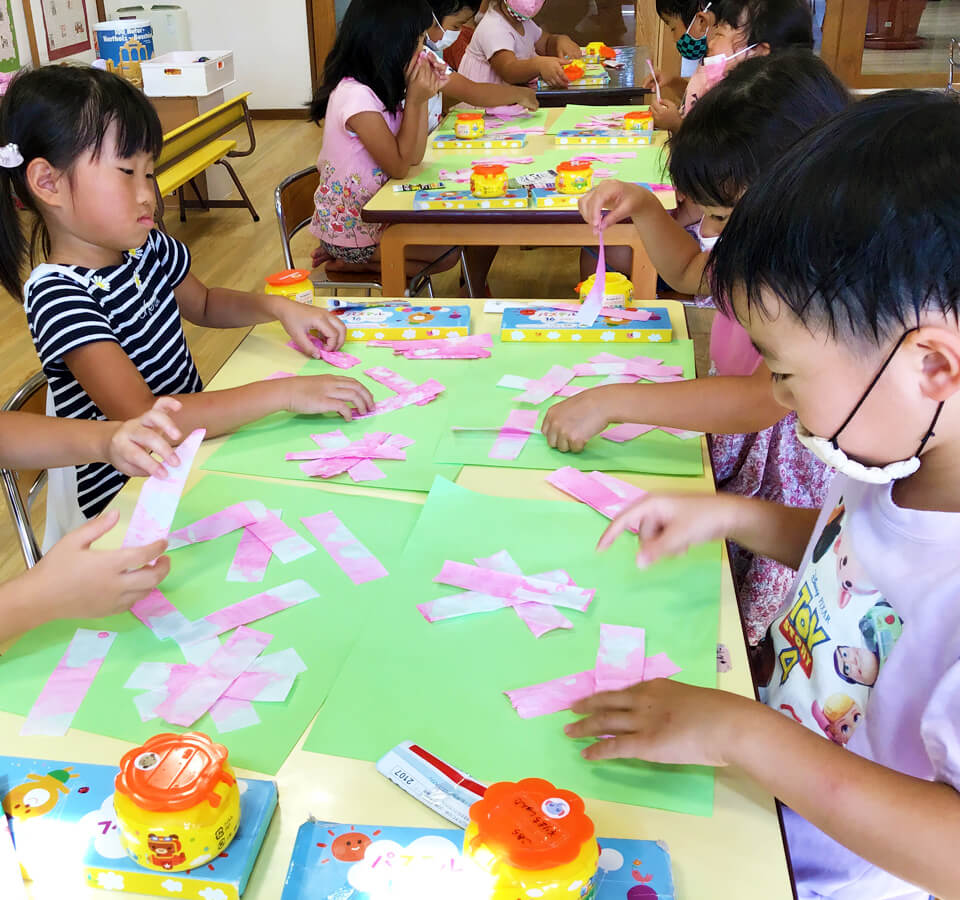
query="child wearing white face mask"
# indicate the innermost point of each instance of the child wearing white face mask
(741, 128)
(743, 28)
(843, 269)
(449, 16)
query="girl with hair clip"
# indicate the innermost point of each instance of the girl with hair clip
(739, 130)
(79, 146)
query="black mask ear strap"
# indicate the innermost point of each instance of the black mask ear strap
(870, 387)
(930, 430)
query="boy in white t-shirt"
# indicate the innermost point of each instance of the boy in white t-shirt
(845, 270)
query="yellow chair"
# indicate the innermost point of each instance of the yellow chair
(197, 145)
(21, 487)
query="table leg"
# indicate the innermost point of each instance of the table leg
(393, 272)
(643, 275)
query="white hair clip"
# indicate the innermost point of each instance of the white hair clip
(10, 156)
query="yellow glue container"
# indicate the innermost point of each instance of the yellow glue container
(469, 125)
(617, 290)
(574, 177)
(533, 840)
(638, 120)
(487, 180)
(292, 283)
(177, 802)
(591, 53)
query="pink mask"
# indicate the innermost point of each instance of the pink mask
(523, 9)
(708, 75)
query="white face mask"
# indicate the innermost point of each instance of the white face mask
(828, 451)
(706, 243)
(448, 40)
(688, 67)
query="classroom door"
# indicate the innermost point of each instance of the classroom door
(322, 18)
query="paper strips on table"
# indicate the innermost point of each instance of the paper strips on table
(608, 495)
(592, 304)
(356, 560)
(621, 662)
(545, 387)
(216, 526)
(61, 696)
(509, 443)
(336, 358)
(159, 497)
(422, 394)
(338, 454)
(473, 346)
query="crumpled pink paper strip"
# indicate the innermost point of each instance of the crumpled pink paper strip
(336, 358)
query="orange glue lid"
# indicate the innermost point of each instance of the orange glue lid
(173, 771)
(639, 114)
(574, 165)
(287, 277)
(469, 116)
(530, 824)
(488, 169)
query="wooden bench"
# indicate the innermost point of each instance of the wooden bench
(194, 147)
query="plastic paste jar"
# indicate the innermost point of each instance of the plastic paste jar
(488, 180)
(575, 70)
(592, 51)
(292, 283)
(638, 120)
(533, 840)
(617, 290)
(574, 177)
(177, 802)
(469, 125)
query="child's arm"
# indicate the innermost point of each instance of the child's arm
(523, 71)
(666, 114)
(905, 825)
(395, 154)
(674, 253)
(30, 441)
(717, 405)
(74, 582)
(486, 96)
(115, 385)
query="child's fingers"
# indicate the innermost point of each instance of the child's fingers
(671, 540)
(96, 528)
(129, 559)
(354, 392)
(147, 577)
(342, 409)
(624, 746)
(631, 517)
(332, 330)
(161, 423)
(138, 463)
(620, 721)
(152, 442)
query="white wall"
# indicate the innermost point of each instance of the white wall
(269, 43)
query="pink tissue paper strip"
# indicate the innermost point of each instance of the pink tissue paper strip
(61, 696)
(512, 438)
(388, 378)
(366, 470)
(187, 704)
(212, 527)
(626, 432)
(514, 587)
(620, 657)
(229, 714)
(591, 491)
(250, 560)
(552, 696)
(591, 306)
(546, 387)
(610, 312)
(356, 560)
(157, 504)
(285, 543)
(336, 358)
(262, 605)
(540, 618)
(427, 391)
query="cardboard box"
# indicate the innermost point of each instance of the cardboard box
(604, 136)
(515, 198)
(405, 323)
(544, 325)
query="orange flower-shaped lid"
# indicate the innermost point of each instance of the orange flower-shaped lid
(488, 169)
(287, 277)
(574, 165)
(638, 115)
(469, 116)
(530, 824)
(173, 772)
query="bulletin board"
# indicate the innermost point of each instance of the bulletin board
(66, 27)
(9, 50)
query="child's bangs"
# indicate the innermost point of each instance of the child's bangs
(137, 126)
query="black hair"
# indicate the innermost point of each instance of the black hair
(777, 23)
(748, 120)
(58, 113)
(374, 45)
(443, 8)
(685, 10)
(857, 228)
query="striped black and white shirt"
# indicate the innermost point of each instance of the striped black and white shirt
(130, 304)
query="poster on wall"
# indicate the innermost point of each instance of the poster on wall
(9, 53)
(65, 24)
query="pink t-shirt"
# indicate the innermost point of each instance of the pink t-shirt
(349, 176)
(731, 352)
(493, 34)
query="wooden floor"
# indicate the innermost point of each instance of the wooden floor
(231, 250)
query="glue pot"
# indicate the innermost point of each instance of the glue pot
(177, 802)
(533, 840)
(574, 177)
(469, 125)
(488, 180)
(617, 290)
(638, 120)
(294, 284)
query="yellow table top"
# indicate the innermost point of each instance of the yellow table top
(738, 852)
(388, 200)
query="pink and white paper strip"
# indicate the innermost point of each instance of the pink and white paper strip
(427, 391)
(216, 526)
(514, 587)
(159, 497)
(336, 358)
(594, 492)
(282, 540)
(65, 689)
(356, 560)
(545, 387)
(259, 606)
(514, 435)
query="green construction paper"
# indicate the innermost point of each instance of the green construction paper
(536, 119)
(441, 684)
(321, 630)
(574, 115)
(485, 405)
(470, 398)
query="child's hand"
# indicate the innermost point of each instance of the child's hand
(666, 114)
(651, 81)
(660, 721)
(422, 82)
(527, 98)
(568, 425)
(132, 442)
(551, 71)
(568, 47)
(669, 524)
(619, 199)
(299, 320)
(314, 394)
(83, 583)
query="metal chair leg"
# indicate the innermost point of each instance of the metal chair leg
(183, 205)
(466, 272)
